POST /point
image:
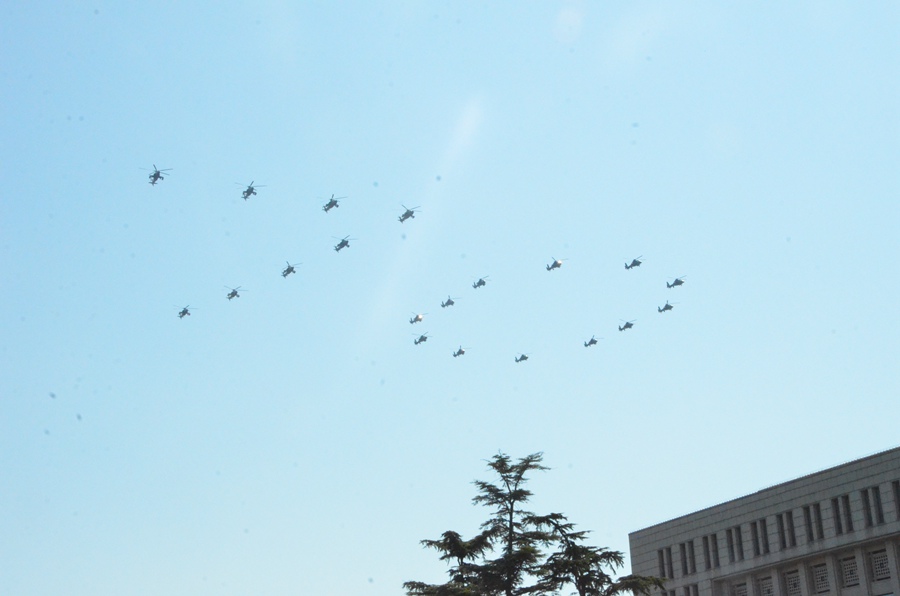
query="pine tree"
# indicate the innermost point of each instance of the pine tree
(519, 537)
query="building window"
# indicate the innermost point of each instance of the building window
(820, 578)
(896, 486)
(662, 563)
(714, 545)
(848, 514)
(792, 583)
(876, 501)
(669, 570)
(836, 516)
(729, 538)
(807, 519)
(754, 536)
(880, 568)
(873, 512)
(786, 535)
(759, 533)
(817, 515)
(688, 558)
(706, 560)
(849, 572)
(691, 590)
(791, 533)
(812, 515)
(867, 507)
(739, 590)
(739, 543)
(766, 588)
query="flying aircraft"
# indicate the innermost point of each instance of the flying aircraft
(634, 262)
(417, 318)
(344, 243)
(421, 339)
(665, 308)
(332, 203)
(679, 281)
(556, 264)
(408, 214)
(522, 358)
(591, 342)
(448, 302)
(482, 281)
(627, 325)
(460, 352)
(184, 312)
(289, 269)
(157, 174)
(250, 190)
(234, 292)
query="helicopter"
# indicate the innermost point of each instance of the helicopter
(417, 318)
(250, 190)
(556, 264)
(289, 269)
(679, 281)
(421, 339)
(448, 302)
(634, 263)
(332, 203)
(665, 308)
(482, 281)
(234, 292)
(184, 312)
(591, 342)
(460, 352)
(627, 325)
(344, 243)
(157, 175)
(408, 214)
(522, 358)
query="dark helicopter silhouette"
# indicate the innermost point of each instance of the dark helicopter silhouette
(234, 292)
(665, 308)
(289, 269)
(421, 339)
(184, 312)
(332, 203)
(448, 302)
(408, 214)
(482, 281)
(556, 264)
(344, 243)
(627, 325)
(250, 190)
(591, 342)
(522, 358)
(634, 263)
(417, 317)
(460, 352)
(679, 281)
(156, 175)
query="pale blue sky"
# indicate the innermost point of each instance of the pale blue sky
(295, 441)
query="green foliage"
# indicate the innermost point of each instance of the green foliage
(518, 538)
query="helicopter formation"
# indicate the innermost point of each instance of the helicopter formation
(409, 213)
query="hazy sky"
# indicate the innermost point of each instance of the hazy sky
(295, 440)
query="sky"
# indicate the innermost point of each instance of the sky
(295, 440)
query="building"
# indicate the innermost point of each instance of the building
(832, 533)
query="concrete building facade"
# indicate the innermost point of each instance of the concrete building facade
(832, 533)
